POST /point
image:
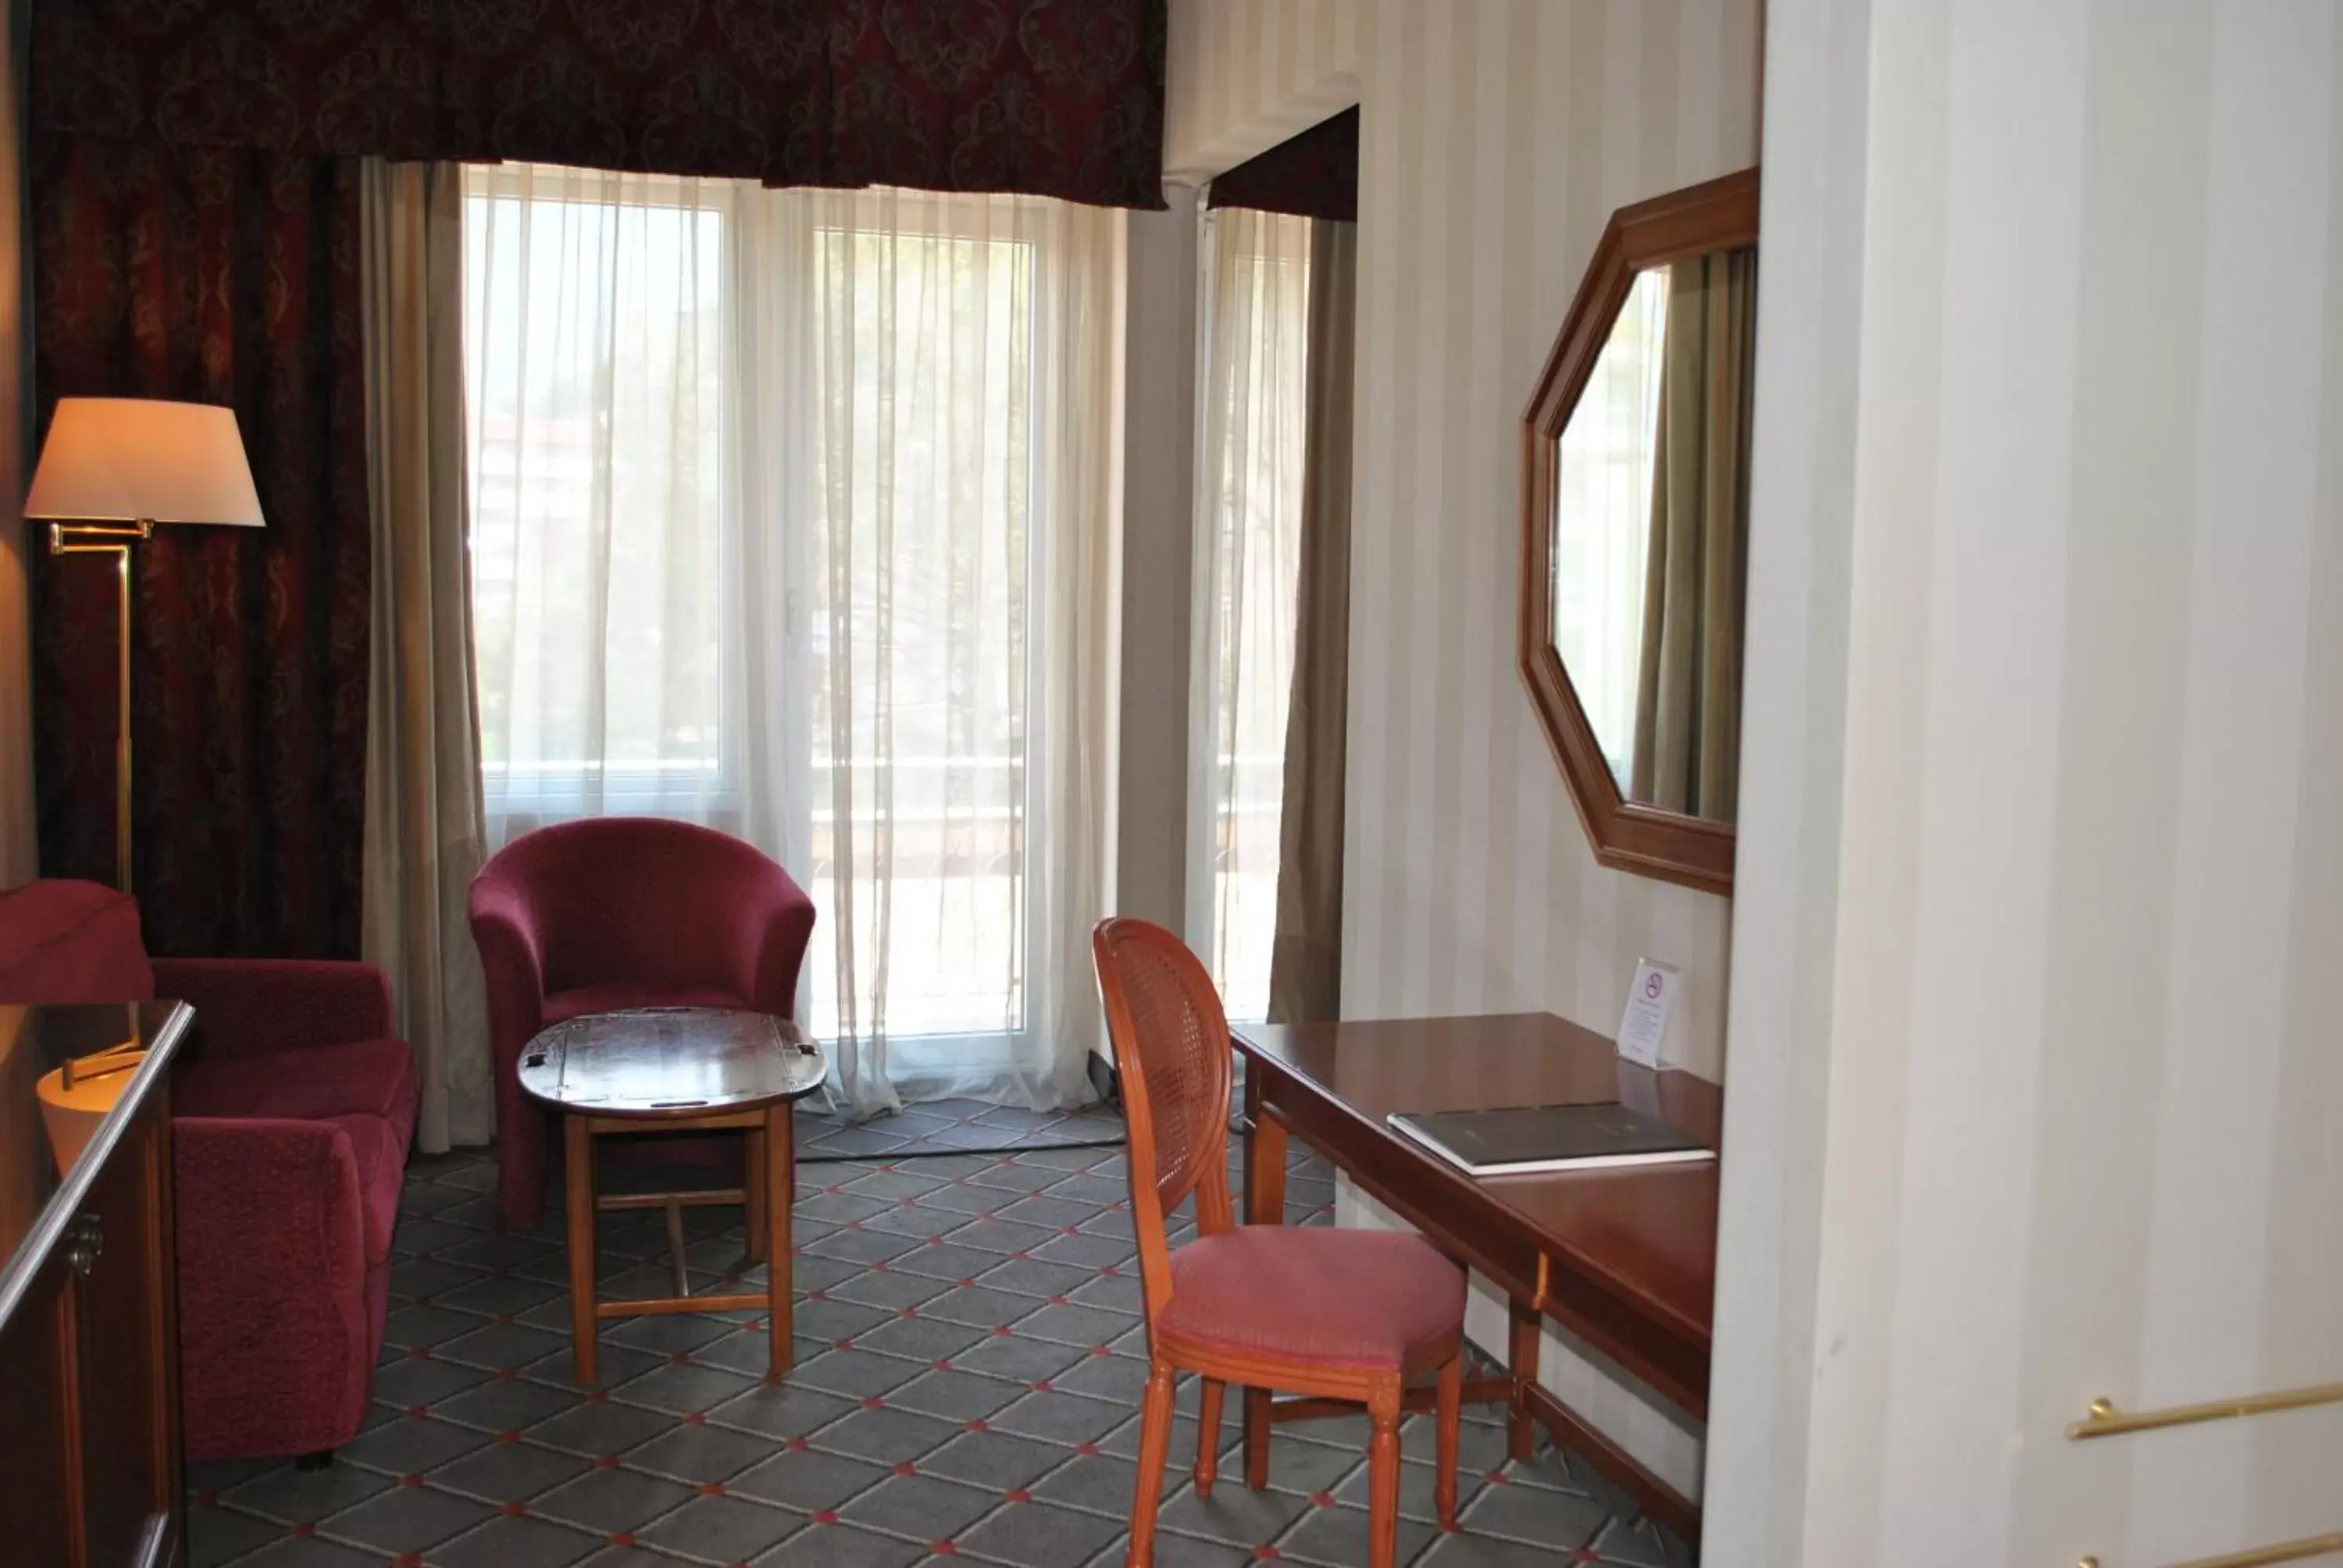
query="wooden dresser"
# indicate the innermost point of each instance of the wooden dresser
(89, 1390)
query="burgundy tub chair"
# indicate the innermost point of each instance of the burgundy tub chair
(617, 912)
(292, 1105)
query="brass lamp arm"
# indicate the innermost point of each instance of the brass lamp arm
(69, 536)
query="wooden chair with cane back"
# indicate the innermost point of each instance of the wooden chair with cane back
(1350, 1315)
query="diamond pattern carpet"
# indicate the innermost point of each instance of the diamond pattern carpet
(969, 1357)
(949, 1126)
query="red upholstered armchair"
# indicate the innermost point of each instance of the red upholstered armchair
(616, 912)
(291, 1111)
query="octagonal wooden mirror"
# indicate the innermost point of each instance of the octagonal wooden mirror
(1636, 527)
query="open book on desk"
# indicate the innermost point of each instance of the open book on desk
(1520, 1140)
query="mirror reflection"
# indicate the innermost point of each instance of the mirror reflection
(1649, 531)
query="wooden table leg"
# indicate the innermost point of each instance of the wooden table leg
(1264, 1154)
(1521, 1364)
(675, 1245)
(755, 1187)
(780, 1164)
(577, 1134)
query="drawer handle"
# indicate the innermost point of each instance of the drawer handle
(87, 1241)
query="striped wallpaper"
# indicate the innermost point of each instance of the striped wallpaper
(1244, 75)
(2037, 1082)
(1497, 138)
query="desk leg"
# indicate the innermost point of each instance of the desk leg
(1521, 1363)
(577, 1134)
(780, 1173)
(1264, 1142)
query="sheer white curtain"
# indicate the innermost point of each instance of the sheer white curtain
(792, 516)
(1256, 304)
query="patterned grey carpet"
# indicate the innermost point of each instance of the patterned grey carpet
(950, 1127)
(970, 1360)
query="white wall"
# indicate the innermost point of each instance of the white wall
(18, 846)
(1243, 75)
(1158, 519)
(2035, 1070)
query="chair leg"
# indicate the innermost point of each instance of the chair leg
(1451, 1411)
(1208, 1435)
(1154, 1440)
(1383, 1476)
(1256, 1404)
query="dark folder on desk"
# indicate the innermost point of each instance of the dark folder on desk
(1514, 1140)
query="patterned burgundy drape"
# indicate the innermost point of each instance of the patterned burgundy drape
(222, 276)
(1313, 175)
(1048, 97)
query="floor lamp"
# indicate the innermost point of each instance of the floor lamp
(112, 468)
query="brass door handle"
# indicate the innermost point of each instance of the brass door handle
(2106, 1421)
(2259, 1557)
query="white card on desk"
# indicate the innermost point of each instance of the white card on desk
(1651, 1002)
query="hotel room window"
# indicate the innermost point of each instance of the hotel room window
(595, 334)
(1256, 314)
(767, 495)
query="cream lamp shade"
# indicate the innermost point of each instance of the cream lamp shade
(141, 460)
(75, 1105)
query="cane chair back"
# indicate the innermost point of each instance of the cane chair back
(1171, 1050)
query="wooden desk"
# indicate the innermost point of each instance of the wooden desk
(1625, 1259)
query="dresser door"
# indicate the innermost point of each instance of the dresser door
(39, 1499)
(129, 1416)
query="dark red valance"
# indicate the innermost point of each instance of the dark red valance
(1048, 97)
(1313, 175)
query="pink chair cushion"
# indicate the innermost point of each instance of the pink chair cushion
(310, 1083)
(1307, 1294)
(586, 999)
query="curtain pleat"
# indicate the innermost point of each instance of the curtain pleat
(1688, 694)
(1305, 982)
(1249, 496)
(424, 817)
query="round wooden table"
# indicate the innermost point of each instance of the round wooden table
(678, 1070)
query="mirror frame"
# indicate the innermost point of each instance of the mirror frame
(1720, 214)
